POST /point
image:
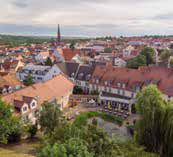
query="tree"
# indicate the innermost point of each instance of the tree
(94, 92)
(149, 54)
(9, 125)
(28, 80)
(48, 62)
(154, 129)
(77, 90)
(134, 63)
(170, 62)
(165, 55)
(107, 50)
(32, 130)
(72, 45)
(50, 117)
(171, 46)
(74, 147)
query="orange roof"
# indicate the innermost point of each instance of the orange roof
(68, 54)
(11, 79)
(45, 54)
(44, 91)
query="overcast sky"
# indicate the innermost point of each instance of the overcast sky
(86, 17)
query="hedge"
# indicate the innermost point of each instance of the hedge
(81, 119)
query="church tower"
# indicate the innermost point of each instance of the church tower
(58, 39)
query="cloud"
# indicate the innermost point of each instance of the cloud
(20, 4)
(86, 17)
(167, 16)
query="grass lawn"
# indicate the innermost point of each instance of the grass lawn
(11, 153)
(21, 149)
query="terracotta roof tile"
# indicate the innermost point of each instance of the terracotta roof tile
(54, 88)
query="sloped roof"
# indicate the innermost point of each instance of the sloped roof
(49, 90)
(68, 54)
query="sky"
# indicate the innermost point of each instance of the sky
(87, 17)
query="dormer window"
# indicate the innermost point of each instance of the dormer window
(24, 109)
(81, 75)
(137, 88)
(88, 77)
(33, 104)
(94, 80)
(119, 85)
(4, 91)
(106, 83)
(72, 75)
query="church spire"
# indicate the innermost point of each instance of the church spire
(58, 40)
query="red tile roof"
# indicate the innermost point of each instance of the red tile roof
(161, 76)
(68, 54)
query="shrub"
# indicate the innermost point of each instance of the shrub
(82, 118)
(14, 137)
(32, 130)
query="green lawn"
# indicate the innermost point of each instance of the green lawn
(22, 149)
(11, 153)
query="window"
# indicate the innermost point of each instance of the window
(124, 85)
(72, 75)
(87, 84)
(106, 83)
(25, 109)
(105, 89)
(118, 91)
(110, 90)
(97, 81)
(33, 104)
(132, 95)
(119, 85)
(123, 92)
(39, 78)
(137, 88)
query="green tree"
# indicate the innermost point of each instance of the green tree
(94, 92)
(48, 62)
(107, 50)
(134, 63)
(149, 54)
(170, 62)
(74, 147)
(50, 117)
(32, 130)
(72, 45)
(9, 125)
(164, 56)
(171, 46)
(28, 80)
(77, 90)
(154, 129)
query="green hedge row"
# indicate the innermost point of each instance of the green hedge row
(81, 119)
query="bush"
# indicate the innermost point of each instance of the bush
(94, 122)
(77, 90)
(130, 128)
(111, 118)
(82, 118)
(14, 137)
(32, 130)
